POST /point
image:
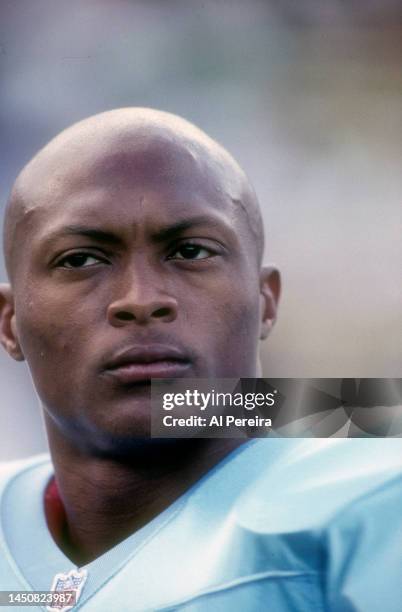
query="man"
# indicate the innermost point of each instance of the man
(133, 244)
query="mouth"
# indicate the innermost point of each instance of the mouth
(139, 364)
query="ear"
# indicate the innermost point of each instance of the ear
(270, 289)
(8, 327)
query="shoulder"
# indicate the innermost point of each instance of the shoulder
(310, 481)
(364, 559)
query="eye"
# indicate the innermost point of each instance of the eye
(191, 251)
(79, 260)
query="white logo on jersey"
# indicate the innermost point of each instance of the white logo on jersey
(72, 581)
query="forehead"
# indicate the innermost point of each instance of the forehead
(130, 181)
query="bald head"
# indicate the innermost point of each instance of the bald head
(125, 147)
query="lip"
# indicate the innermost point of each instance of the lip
(141, 363)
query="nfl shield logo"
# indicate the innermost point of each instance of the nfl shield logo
(74, 582)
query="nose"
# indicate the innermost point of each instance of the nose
(143, 303)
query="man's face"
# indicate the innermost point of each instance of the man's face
(133, 264)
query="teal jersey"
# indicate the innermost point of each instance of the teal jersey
(278, 525)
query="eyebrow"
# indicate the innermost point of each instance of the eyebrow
(89, 232)
(175, 229)
(162, 235)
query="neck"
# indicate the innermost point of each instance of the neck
(107, 498)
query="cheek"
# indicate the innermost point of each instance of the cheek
(54, 317)
(244, 329)
(228, 330)
(238, 317)
(53, 337)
